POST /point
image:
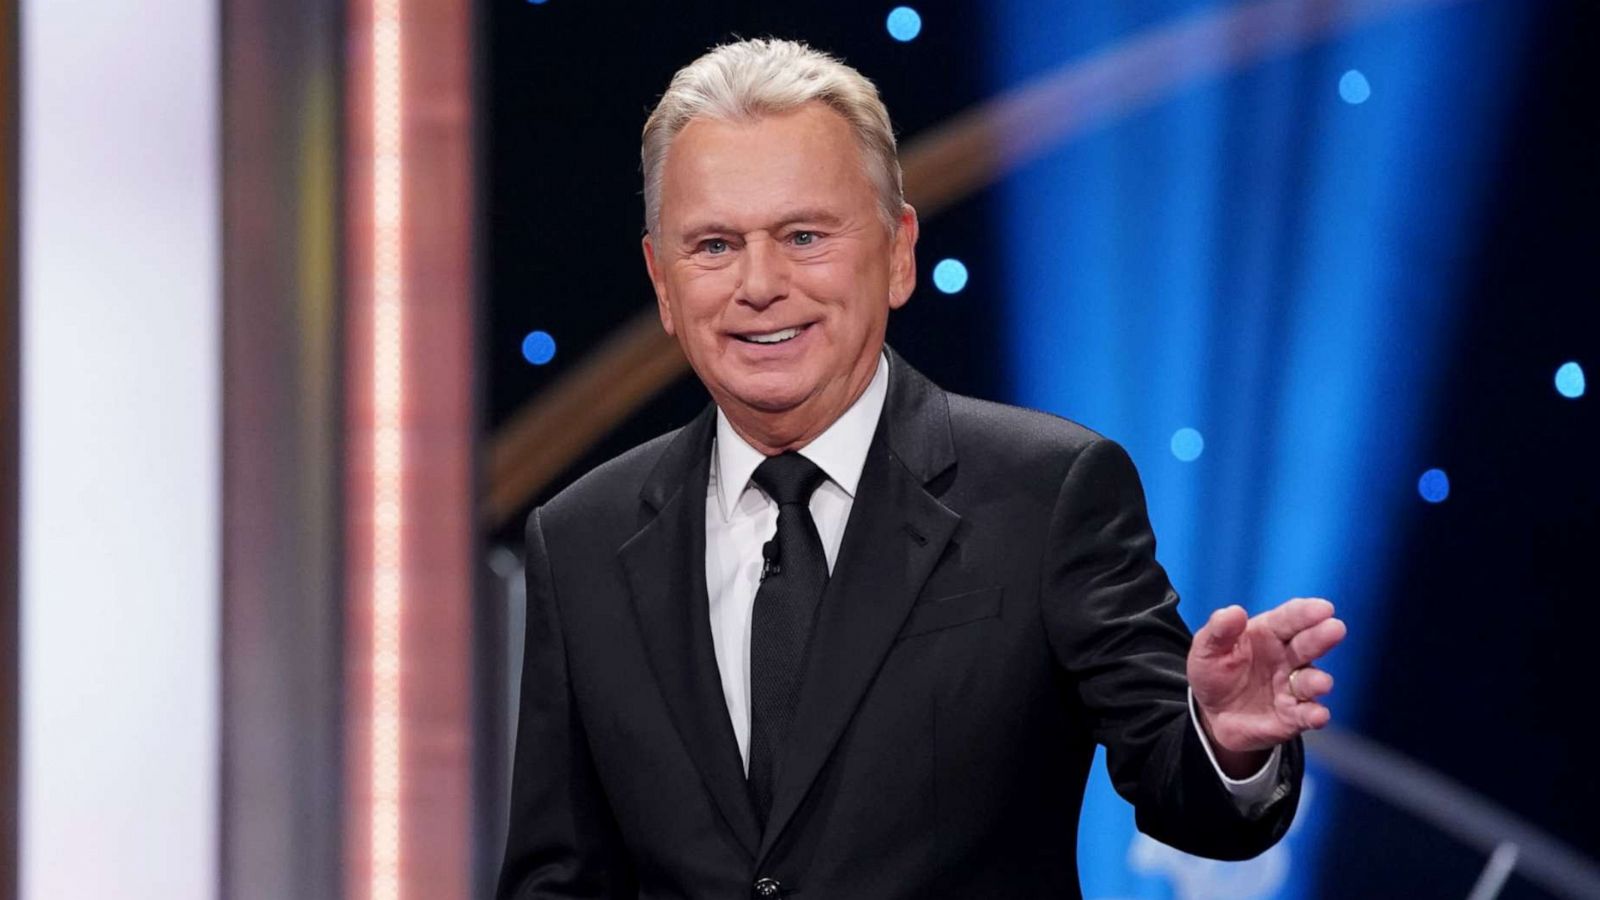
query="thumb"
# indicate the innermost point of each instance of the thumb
(1222, 631)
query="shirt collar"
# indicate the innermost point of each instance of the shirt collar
(840, 451)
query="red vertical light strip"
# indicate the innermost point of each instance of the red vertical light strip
(388, 500)
(409, 488)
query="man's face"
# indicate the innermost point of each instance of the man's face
(772, 264)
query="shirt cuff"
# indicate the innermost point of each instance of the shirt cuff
(1251, 795)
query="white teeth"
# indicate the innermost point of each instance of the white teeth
(776, 337)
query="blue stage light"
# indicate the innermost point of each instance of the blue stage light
(904, 23)
(1354, 88)
(950, 275)
(1569, 379)
(537, 2)
(1434, 485)
(538, 347)
(1187, 444)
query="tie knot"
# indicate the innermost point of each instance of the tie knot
(788, 478)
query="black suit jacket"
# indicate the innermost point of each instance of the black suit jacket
(995, 610)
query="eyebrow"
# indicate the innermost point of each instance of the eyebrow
(819, 216)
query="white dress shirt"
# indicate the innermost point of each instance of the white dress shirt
(740, 519)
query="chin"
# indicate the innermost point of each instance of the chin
(770, 393)
(770, 401)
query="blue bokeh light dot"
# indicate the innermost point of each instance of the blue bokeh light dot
(1434, 486)
(904, 23)
(950, 275)
(1569, 380)
(1354, 88)
(1188, 444)
(538, 347)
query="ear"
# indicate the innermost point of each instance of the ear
(903, 258)
(657, 281)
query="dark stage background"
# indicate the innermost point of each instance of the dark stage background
(1475, 621)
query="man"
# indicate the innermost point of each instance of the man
(846, 635)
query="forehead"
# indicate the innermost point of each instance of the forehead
(808, 156)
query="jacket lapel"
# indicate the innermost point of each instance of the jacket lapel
(896, 533)
(665, 566)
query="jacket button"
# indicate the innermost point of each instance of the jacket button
(766, 888)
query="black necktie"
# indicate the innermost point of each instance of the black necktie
(794, 574)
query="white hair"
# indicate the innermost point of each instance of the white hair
(748, 79)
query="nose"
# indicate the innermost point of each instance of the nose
(764, 275)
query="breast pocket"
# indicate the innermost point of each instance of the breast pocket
(948, 612)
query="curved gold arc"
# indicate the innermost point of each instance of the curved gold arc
(634, 363)
(942, 166)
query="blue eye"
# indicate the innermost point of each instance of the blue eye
(714, 246)
(805, 238)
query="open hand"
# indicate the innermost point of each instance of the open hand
(1253, 678)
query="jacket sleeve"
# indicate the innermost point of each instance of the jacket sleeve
(1112, 617)
(563, 840)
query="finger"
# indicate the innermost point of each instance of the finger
(1312, 716)
(1294, 616)
(1221, 632)
(1309, 646)
(1309, 684)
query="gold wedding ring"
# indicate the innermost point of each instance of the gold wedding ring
(1292, 692)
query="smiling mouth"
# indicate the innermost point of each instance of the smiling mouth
(773, 337)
